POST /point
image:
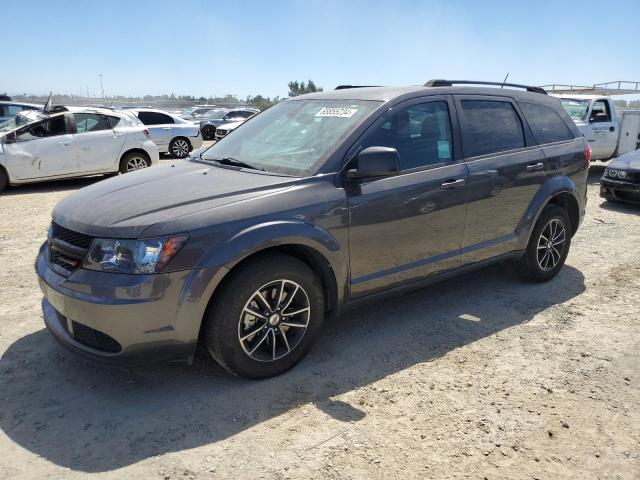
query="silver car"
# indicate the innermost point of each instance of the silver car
(170, 133)
(9, 109)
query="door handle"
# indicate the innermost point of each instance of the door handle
(612, 128)
(449, 184)
(64, 144)
(166, 128)
(532, 167)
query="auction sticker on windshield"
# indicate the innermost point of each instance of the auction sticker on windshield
(342, 112)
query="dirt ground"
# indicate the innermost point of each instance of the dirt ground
(480, 377)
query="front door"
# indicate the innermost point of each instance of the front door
(409, 226)
(42, 149)
(601, 131)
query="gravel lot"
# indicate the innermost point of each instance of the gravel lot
(483, 376)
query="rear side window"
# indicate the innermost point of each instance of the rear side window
(89, 122)
(547, 126)
(154, 118)
(490, 127)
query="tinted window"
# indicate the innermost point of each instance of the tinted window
(246, 114)
(47, 128)
(154, 118)
(113, 121)
(89, 122)
(490, 127)
(547, 126)
(421, 134)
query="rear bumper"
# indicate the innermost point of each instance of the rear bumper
(620, 191)
(126, 319)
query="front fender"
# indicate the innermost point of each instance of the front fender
(549, 189)
(259, 237)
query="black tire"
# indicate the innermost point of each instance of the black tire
(227, 317)
(531, 266)
(4, 179)
(130, 158)
(208, 132)
(179, 147)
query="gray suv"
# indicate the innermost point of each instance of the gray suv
(318, 202)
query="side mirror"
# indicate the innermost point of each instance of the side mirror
(375, 162)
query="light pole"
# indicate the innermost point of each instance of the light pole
(101, 88)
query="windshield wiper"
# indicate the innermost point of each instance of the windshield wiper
(234, 162)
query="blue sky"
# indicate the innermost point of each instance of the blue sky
(246, 47)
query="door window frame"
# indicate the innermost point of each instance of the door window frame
(456, 145)
(529, 140)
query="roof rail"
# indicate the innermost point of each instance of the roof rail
(344, 87)
(449, 83)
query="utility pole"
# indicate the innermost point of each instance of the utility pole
(101, 88)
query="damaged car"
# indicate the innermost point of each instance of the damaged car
(67, 142)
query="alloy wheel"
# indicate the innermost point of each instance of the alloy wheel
(136, 163)
(551, 244)
(274, 320)
(180, 148)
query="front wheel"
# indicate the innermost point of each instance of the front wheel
(209, 132)
(548, 246)
(266, 317)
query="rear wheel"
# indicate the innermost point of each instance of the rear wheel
(209, 132)
(179, 147)
(548, 246)
(266, 317)
(132, 161)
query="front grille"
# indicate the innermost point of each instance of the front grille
(74, 238)
(94, 338)
(63, 254)
(64, 260)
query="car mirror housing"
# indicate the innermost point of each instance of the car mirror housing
(375, 162)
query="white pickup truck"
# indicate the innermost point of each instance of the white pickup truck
(610, 132)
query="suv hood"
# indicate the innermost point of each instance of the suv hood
(124, 206)
(628, 161)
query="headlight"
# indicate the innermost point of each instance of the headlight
(612, 173)
(622, 174)
(133, 256)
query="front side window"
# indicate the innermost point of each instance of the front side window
(600, 112)
(420, 133)
(490, 126)
(154, 118)
(293, 137)
(89, 122)
(47, 128)
(547, 126)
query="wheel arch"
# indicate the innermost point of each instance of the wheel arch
(558, 190)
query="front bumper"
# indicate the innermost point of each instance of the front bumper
(126, 319)
(619, 190)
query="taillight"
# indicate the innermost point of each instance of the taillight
(146, 132)
(587, 153)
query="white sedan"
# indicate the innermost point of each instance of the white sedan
(171, 133)
(73, 142)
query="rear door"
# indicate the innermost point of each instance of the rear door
(160, 126)
(43, 149)
(409, 226)
(601, 131)
(96, 145)
(506, 168)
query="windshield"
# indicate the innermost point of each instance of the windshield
(577, 109)
(292, 137)
(18, 121)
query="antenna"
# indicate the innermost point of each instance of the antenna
(505, 80)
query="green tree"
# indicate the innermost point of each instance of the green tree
(300, 88)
